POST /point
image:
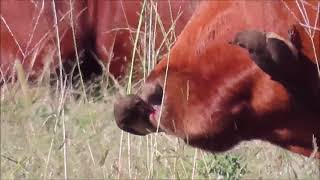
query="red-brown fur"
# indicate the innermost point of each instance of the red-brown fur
(215, 96)
(94, 23)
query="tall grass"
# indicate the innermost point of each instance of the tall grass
(58, 131)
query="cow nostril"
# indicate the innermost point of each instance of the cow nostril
(156, 97)
(122, 109)
(132, 114)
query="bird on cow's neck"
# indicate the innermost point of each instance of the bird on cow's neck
(269, 51)
(284, 61)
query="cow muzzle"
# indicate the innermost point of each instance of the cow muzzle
(132, 114)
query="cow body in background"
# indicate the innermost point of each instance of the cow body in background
(213, 95)
(102, 28)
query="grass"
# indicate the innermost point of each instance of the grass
(92, 141)
(58, 131)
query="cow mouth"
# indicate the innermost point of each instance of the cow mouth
(155, 115)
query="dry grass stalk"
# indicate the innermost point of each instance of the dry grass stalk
(76, 50)
(23, 82)
(194, 164)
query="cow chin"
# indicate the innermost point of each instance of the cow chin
(136, 116)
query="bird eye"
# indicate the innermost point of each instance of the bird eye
(241, 45)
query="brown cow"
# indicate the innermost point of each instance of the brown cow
(214, 96)
(28, 31)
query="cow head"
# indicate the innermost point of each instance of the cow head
(213, 95)
(190, 101)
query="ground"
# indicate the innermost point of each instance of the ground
(34, 124)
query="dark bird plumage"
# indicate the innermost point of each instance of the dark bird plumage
(269, 51)
(284, 62)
